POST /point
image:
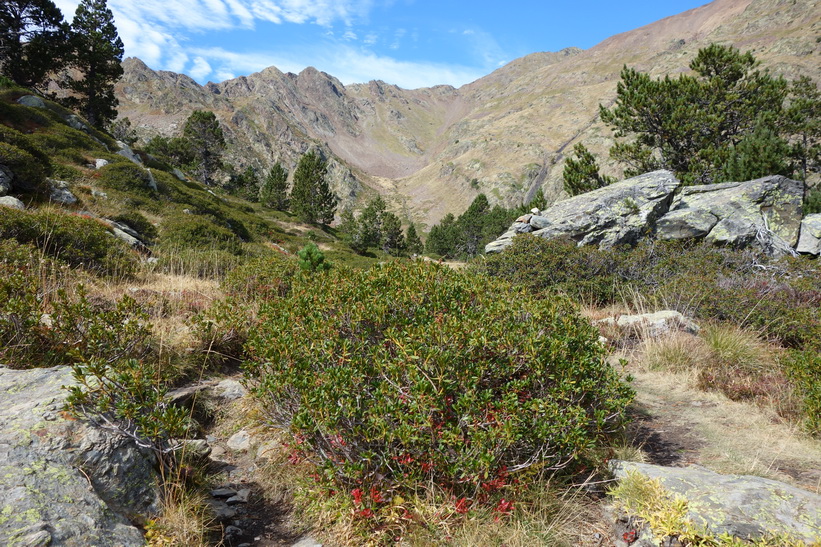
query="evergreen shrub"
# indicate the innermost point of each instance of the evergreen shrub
(78, 241)
(407, 375)
(29, 174)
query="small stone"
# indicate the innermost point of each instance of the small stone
(222, 512)
(240, 441)
(241, 497)
(197, 447)
(217, 452)
(232, 531)
(37, 539)
(230, 389)
(99, 163)
(267, 450)
(223, 492)
(14, 203)
(307, 541)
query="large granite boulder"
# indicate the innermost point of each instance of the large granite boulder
(619, 213)
(765, 211)
(809, 242)
(64, 481)
(11, 201)
(743, 506)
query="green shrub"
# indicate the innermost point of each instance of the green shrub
(812, 201)
(409, 374)
(139, 223)
(261, 278)
(29, 174)
(80, 242)
(311, 259)
(126, 177)
(189, 231)
(805, 371)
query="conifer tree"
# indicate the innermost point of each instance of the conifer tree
(274, 190)
(206, 142)
(96, 52)
(689, 124)
(351, 232)
(371, 222)
(441, 239)
(470, 227)
(758, 154)
(412, 242)
(311, 197)
(392, 240)
(33, 40)
(581, 174)
(804, 125)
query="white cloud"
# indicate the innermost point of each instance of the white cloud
(349, 35)
(370, 39)
(201, 69)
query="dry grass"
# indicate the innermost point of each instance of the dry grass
(678, 352)
(185, 519)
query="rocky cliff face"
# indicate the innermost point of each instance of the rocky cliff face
(431, 151)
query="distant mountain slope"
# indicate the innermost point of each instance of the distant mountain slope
(431, 151)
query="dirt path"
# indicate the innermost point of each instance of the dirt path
(675, 424)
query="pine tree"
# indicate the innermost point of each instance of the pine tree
(311, 198)
(470, 227)
(393, 240)
(351, 232)
(758, 154)
(804, 125)
(33, 39)
(274, 190)
(581, 174)
(538, 202)
(205, 139)
(96, 52)
(371, 221)
(412, 241)
(689, 124)
(442, 238)
(122, 131)
(311, 259)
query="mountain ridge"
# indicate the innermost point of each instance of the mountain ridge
(430, 151)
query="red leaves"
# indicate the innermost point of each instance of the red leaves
(462, 505)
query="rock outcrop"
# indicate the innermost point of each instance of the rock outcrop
(617, 214)
(810, 240)
(743, 506)
(650, 325)
(765, 212)
(64, 481)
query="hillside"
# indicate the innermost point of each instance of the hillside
(431, 151)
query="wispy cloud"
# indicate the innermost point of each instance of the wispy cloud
(161, 34)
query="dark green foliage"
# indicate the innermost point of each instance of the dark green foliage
(804, 125)
(262, 278)
(311, 198)
(409, 376)
(804, 368)
(311, 259)
(393, 240)
(812, 201)
(371, 221)
(466, 236)
(122, 131)
(78, 241)
(412, 241)
(758, 154)
(189, 231)
(28, 171)
(206, 142)
(96, 52)
(245, 184)
(539, 201)
(274, 190)
(582, 173)
(126, 177)
(442, 238)
(688, 124)
(175, 151)
(33, 40)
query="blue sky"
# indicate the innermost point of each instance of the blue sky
(410, 43)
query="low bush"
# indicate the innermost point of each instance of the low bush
(138, 222)
(804, 369)
(29, 174)
(126, 177)
(188, 231)
(78, 241)
(407, 375)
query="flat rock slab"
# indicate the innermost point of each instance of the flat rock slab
(741, 505)
(810, 240)
(651, 325)
(63, 481)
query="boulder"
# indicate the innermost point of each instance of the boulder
(765, 212)
(6, 176)
(651, 325)
(14, 203)
(126, 152)
(75, 122)
(100, 163)
(60, 193)
(619, 213)
(743, 506)
(31, 100)
(64, 481)
(809, 242)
